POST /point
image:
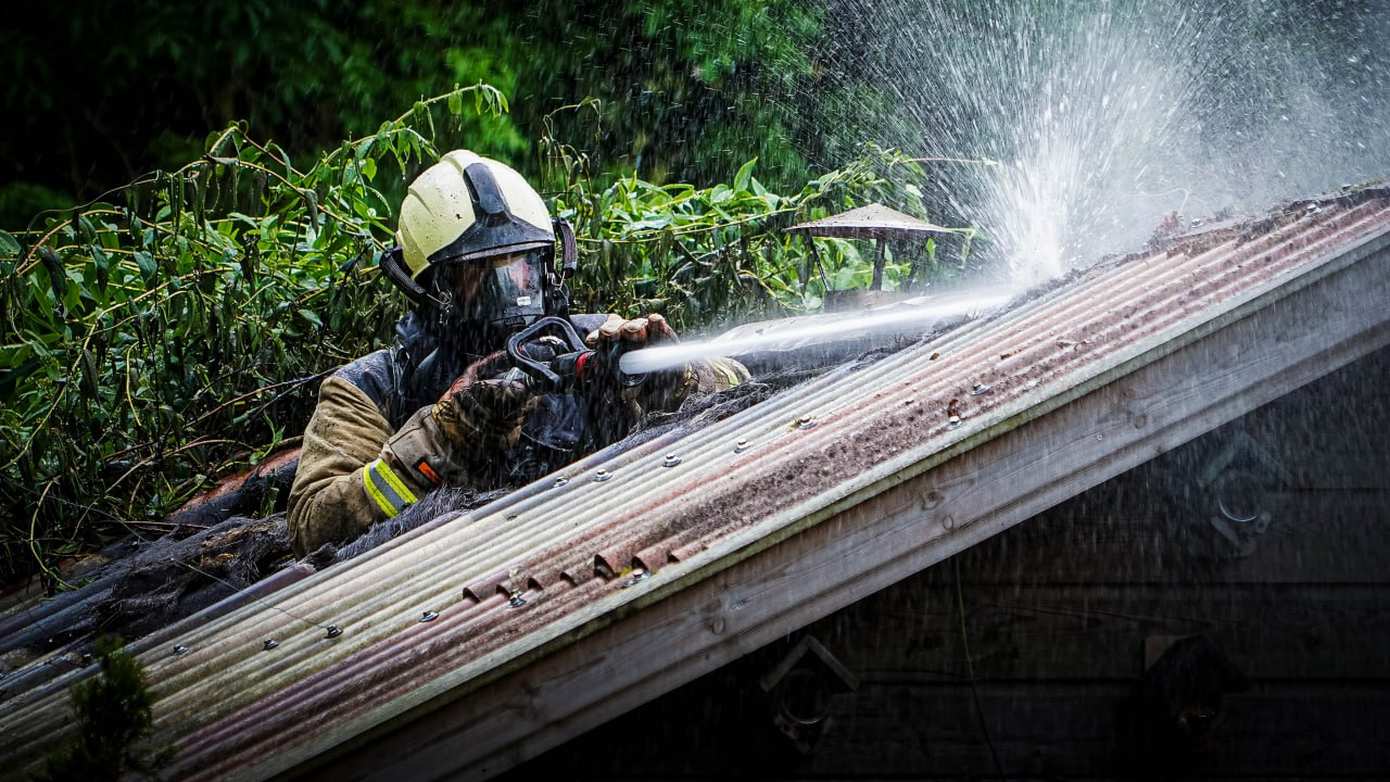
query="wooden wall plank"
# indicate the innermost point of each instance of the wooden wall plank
(929, 730)
(1043, 633)
(1312, 538)
(1083, 731)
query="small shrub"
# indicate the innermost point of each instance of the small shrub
(113, 719)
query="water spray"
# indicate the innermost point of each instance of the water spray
(912, 317)
(1109, 117)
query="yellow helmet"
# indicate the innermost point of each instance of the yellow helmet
(468, 210)
(467, 206)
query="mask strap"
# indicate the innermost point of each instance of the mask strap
(393, 263)
(569, 248)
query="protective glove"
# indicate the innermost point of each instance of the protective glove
(664, 390)
(485, 414)
(473, 422)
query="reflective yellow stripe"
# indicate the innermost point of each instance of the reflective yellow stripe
(730, 375)
(376, 495)
(385, 471)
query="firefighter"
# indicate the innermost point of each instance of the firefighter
(476, 256)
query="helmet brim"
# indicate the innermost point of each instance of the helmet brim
(492, 252)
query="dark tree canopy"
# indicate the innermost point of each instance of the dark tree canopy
(102, 92)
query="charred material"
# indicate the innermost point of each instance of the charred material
(430, 507)
(159, 583)
(259, 491)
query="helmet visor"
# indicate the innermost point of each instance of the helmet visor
(502, 289)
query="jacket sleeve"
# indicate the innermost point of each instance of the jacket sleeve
(702, 377)
(719, 374)
(329, 500)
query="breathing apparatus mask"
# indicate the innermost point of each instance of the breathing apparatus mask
(496, 293)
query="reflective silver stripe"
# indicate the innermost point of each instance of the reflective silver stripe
(381, 488)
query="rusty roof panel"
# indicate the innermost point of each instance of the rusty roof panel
(874, 221)
(516, 579)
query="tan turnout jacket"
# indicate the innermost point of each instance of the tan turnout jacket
(331, 500)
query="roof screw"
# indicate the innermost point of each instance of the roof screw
(270, 643)
(602, 475)
(741, 445)
(671, 460)
(561, 481)
(180, 650)
(980, 388)
(516, 600)
(333, 631)
(638, 575)
(429, 616)
(954, 421)
(806, 422)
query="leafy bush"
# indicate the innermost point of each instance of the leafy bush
(177, 328)
(114, 717)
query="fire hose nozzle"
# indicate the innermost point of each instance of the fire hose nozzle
(580, 366)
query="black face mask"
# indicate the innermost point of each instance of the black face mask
(501, 297)
(506, 292)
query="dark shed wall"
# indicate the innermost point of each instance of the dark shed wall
(1063, 615)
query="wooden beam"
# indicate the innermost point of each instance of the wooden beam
(880, 248)
(1242, 362)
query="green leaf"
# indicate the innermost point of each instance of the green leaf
(745, 173)
(101, 267)
(651, 223)
(8, 244)
(146, 263)
(57, 275)
(89, 374)
(312, 317)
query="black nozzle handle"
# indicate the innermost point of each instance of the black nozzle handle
(538, 371)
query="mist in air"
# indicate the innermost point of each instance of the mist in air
(1074, 128)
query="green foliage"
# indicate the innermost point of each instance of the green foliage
(112, 713)
(720, 254)
(176, 329)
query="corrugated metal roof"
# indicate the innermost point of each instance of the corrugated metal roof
(874, 221)
(516, 581)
